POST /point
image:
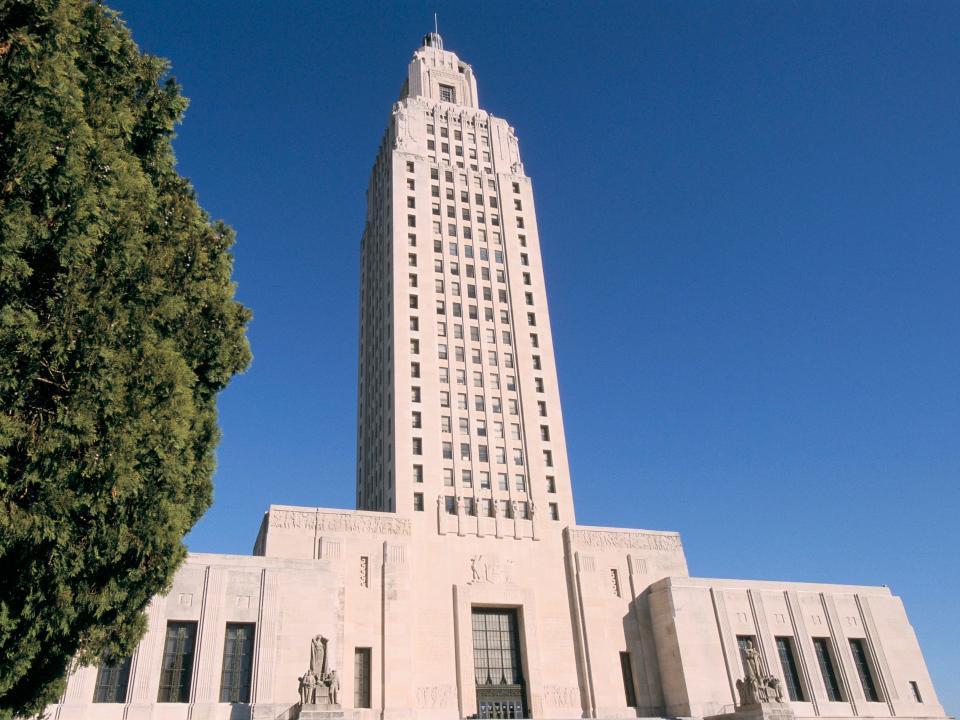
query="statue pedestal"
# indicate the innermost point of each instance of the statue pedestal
(321, 711)
(758, 711)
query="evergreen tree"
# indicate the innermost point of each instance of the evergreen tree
(118, 327)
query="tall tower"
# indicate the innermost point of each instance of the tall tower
(458, 397)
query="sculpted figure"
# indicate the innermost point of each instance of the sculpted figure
(303, 689)
(308, 688)
(476, 563)
(754, 662)
(318, 653)
(777, 688)
(333, 682)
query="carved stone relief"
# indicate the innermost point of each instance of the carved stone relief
(490, 569)
(561, 696)
(434, 696)
(630, 540)
(337, 522)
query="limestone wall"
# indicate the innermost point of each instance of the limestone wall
(696, 624)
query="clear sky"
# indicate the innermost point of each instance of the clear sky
(751, 232)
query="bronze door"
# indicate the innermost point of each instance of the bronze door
(497, 664)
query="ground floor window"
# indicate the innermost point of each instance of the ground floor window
(864, 670)
(626, 669)
(113, 676)
(791, 672)
(177, 667)
(361, 678)
(237, 663)
(825, 661)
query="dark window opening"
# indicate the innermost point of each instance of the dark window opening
(177, 667)
(361, 677)
(825, 660)
(626, 670)
(113, 676)
(237, 663)
(864, 670)
(791, 672)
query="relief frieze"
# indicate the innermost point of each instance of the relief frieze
(434, 696)
(628, 540)
(338, 522)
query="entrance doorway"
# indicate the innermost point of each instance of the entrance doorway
(497, 664)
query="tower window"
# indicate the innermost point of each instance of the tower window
(448, 94)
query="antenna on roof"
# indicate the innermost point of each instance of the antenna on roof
(436, 28)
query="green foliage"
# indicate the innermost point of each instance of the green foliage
(118, 327)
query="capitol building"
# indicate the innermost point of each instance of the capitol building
(462, 585)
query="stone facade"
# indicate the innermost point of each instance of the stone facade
(464, 587)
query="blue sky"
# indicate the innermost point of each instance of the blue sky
(749, 219)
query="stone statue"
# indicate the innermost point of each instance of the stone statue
(403, 133)
(758, 686)
(333, 682)
(754, 662)
(459, 505)
(308, 688)
(513, 509)
(318, 685)
(318, 656)
(533, 509)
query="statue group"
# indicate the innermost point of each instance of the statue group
(319, 685)
(758, 686)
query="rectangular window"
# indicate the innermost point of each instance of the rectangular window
(864, 670)
(551, 484)
(113, 676)
(237, 663)
(361, 677)
(554, 511)
(418, 502)
(915, 689)
(448, 94)
(177, 666)
(825, 661)
(626, 669)
(418, 473)
(791, 672)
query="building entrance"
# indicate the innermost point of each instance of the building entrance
(497, 664)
